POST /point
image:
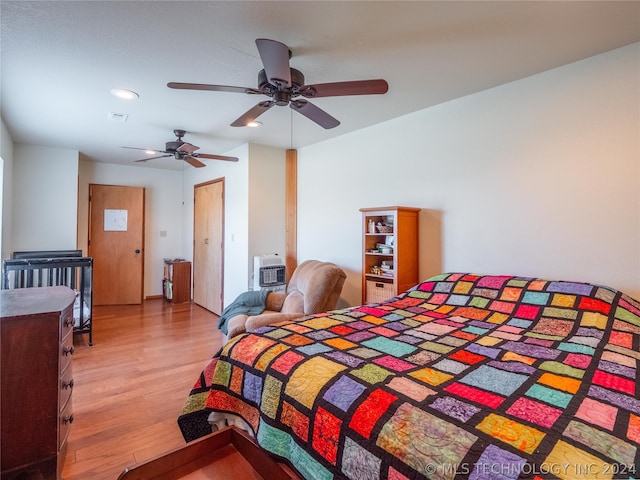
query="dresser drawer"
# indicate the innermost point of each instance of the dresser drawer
(65, 420)
(66, 324)
(66, 352)
(66, 387)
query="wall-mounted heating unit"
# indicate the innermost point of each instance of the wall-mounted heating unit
(269, 273)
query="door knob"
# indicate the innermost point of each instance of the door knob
(137, 250)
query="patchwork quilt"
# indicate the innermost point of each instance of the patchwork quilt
(463, 376)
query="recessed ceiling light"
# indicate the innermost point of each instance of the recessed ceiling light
(125, 94)
(254, 124)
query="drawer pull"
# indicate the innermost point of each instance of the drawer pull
(68, 322)
(67, 419)
(68, 350)
(67, 385)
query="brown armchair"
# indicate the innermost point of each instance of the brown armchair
(314, 287)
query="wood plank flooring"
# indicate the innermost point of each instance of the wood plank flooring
(130, 386)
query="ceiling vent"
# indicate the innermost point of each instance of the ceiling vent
(117, 117)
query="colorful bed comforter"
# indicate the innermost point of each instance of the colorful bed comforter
(463, 376)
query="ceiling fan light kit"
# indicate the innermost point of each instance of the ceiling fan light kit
(285, 84)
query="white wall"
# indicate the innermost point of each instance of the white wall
(6, 152)
(45, 202)
(539, 177)
(163, 210)
(267, 202)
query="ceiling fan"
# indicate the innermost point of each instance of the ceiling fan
(183, 151)
(285, 84)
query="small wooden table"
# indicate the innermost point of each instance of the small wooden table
(227, 453)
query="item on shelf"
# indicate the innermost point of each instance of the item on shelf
(372, 226)
(379, 291)
(384, 228)
(384, 248)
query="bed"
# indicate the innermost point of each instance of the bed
(462, 376)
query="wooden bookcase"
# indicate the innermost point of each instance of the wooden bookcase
(389, 252)
(176, 284)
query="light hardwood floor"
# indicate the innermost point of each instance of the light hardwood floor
(130, 386)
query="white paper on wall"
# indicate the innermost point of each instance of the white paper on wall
(115, 220)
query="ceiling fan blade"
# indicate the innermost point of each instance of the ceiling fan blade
(217, 157)
(214, 88)
(253, 113)
(151, 158)
(194, 162)
(275, 58)
(338, 89)
(153, 150)
(314, 113)
(187, 148)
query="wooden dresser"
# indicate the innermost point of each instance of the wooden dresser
(36, 332)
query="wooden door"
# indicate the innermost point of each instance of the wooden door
(116, 243)
(208, 247)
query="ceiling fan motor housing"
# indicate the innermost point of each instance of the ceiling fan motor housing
(297, 79)
(171, 147)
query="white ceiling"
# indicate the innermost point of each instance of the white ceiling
(60, 59)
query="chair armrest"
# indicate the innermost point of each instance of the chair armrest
(275, 300)
(269, 319)
(236, 325)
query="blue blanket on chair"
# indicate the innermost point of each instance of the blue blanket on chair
(247, 303)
